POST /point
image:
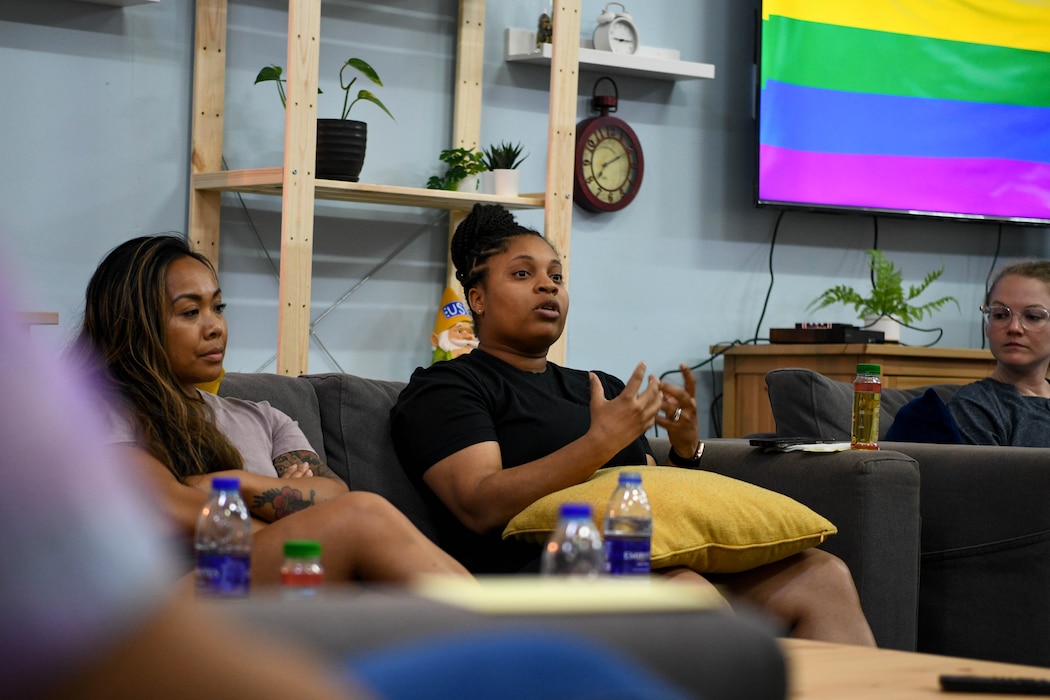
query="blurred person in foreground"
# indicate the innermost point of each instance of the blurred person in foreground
(85, 594)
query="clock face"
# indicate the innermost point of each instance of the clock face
(623, 38)
(609, 164)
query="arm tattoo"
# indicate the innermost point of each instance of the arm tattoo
(285, 501)
(288, 459)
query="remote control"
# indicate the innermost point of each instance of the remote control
(995, 684)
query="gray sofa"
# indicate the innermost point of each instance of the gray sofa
(872, 498)
(985, 547)
(711, 654)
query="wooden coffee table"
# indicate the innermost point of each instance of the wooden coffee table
(823, 671)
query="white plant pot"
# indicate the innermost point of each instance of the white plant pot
(890, 327)
(506, 183)
(468, 184)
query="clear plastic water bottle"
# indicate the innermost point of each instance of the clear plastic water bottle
(575, 547)
(628, 527)
(867, 396)
(301, 572)
(224, 542)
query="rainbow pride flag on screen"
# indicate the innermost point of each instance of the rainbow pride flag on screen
(934, 106)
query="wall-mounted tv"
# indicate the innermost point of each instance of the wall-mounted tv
(919, 107)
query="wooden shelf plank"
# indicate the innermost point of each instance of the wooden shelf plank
(37, 318)
(519, 45)
(268, 181)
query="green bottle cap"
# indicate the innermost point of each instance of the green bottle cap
(869, 369)
(302, 549)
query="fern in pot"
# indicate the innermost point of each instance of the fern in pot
(341, 142)
(887, 305)
(503, 177)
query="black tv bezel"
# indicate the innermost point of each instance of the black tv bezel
(818, 207)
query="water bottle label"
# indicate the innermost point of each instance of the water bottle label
(223, 575)
(627, 556)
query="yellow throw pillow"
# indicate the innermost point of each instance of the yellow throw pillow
(705, 521)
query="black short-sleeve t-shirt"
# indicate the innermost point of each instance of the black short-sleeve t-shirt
(476, 398)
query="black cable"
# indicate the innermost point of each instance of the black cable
(874, 246)
(716, 412)
(724, 345)
(769, 290)
(754, 340)
(938, 331)
(991, 269)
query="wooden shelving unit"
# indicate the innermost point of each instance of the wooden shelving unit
(295, 183)
(268, 181)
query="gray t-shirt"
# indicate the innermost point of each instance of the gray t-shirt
(259, 431)
(990, 412)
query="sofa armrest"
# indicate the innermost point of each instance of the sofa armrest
(985, 551)
(872, 497)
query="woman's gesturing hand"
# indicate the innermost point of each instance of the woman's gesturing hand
(630, 414)
(678, 414)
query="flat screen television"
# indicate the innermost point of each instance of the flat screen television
(917, 107)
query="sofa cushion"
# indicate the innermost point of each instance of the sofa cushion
(705, 521)
(288, 394)
(356, 426)
(808, 404)
(925, 419)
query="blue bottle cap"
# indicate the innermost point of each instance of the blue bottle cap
(575, 510)
(225, 483)
(630, 478)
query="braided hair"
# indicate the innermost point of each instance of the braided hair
(486, 231)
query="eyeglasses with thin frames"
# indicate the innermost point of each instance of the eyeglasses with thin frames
(1033, 318)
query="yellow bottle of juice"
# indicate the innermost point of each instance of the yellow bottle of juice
(867, 394)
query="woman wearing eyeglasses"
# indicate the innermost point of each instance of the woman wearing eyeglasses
(1012, 406)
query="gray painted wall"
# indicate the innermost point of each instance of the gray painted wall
(95, 125)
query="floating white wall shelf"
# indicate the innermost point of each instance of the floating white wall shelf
(520, 46)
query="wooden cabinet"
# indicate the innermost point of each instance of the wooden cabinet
(745, 403)
(294, 181)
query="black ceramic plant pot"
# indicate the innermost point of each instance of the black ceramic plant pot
(340, 149)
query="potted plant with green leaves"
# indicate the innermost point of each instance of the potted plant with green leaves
(887, 305)
(502, 162)
(462, 167)
(341, 142)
